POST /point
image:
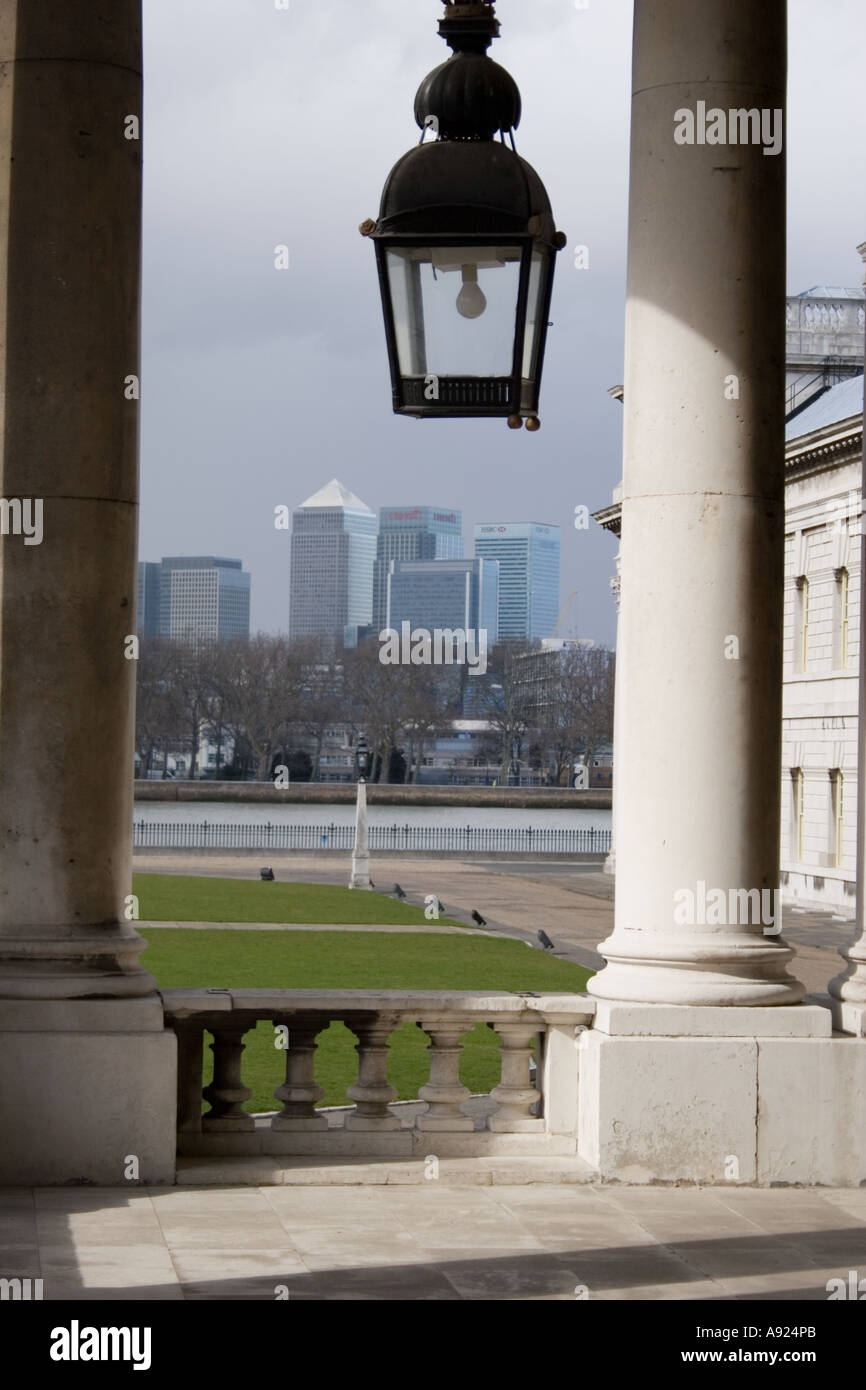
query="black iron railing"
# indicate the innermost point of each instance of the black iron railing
(448, 838)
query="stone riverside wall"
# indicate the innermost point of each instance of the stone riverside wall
(337, 793)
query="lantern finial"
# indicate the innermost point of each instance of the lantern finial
(469, 28)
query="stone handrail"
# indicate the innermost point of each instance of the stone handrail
(520, 1115)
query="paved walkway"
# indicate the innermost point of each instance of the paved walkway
(425, 928)
(433, 1242)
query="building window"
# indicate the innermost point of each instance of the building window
(797, 814)
(801, 637)
(837, 792)
(842, 587)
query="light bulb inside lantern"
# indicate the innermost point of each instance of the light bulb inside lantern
(471, 301)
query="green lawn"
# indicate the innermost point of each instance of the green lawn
(184, 898)
(352, 960)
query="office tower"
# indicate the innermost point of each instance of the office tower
(333, 553)
(528, 556)
(412, 533)
(444, 594)
(205, 597)
(149, 575)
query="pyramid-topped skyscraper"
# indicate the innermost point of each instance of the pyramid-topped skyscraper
(333, 553)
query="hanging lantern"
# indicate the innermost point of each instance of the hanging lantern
(466, 243)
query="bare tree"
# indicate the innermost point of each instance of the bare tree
(503, 703)
(191, 676)
(574, 704)
(377, 704)
(262, 685)
(425, 704)
(155, 711)
(321, 701)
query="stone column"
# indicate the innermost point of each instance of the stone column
(616, 588)
(848, 990)
(360, 877)
(70, 173)
(699, 718)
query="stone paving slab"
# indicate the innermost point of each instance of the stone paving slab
(550, 1242)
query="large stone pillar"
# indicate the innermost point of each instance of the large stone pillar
(698, 739)
(86, 1069)
(848, 990)
(609, 866)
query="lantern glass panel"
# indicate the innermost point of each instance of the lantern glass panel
(536, 314)
(455, 309)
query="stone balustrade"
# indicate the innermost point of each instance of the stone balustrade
(531, 1110)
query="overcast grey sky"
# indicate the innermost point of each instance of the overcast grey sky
(264, 126)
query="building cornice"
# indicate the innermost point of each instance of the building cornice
(610, 518)
(841, 442)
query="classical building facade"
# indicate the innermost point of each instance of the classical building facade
(823, 509)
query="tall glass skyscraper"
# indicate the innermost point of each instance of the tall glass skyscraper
(203, 596)
(149, 582)
(412, 533)
(528, 556)
(444, 594)
(333, 553)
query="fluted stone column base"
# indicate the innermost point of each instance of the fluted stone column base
(87, 1092)
(716, 969)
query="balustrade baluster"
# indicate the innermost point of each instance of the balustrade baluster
(190, 1038)
(372, 1091)
(227, 1093)
(515, 1095)
(299, 1091)
(444, 1092)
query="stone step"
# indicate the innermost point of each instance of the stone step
(263, 1171)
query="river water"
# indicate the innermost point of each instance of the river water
(478, 818)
